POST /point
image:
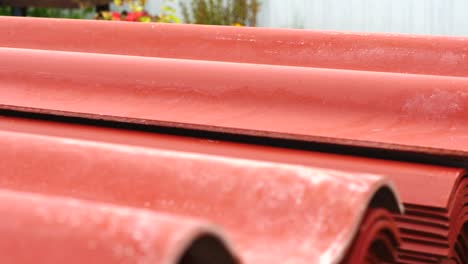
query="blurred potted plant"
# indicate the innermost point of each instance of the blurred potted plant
(134, 11)
(222, 12)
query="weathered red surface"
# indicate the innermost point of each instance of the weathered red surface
(404, 175)
(45, 229)
(386, 110)
(341, 50)
(279, 206)
(429, 192)
(275, 212)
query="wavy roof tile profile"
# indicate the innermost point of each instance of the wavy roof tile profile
(321, 49)
(370, 109)
(438, 195)
(376, 241)
(45, 229)
(437, 231)
(273, 212)
(275, 205)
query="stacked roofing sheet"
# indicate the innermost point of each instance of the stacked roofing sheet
(434, 229)
(383, 110)
(397, 100)
(274, 212)
(335, 50)
(43, 229)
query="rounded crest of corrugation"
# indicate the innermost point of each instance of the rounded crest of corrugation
(53, 229)
(274, 212)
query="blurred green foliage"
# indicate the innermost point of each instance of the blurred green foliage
(168, 13)
(61, 13)
(5, 10)
(222, 12)
(211, 12)
(53, 12)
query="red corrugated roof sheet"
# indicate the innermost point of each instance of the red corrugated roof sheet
(340, 50)
(46, 229)
(359, 108)
(274, 212)
(375, 242)
(276, 205)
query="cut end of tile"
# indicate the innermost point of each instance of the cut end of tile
(207, 249)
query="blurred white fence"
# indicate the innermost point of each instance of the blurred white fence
(440, 17)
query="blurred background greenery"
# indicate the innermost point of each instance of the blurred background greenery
(213, 12)
(62, 13)
(5, 10)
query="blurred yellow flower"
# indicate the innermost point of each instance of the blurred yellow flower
(145, 19)
(136, 6)
(106, 15)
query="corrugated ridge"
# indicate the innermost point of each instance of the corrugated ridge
(50, 229)
(422, 112)
(322, 49)
(447, 245)
(254, 201)
(377, 240)
(216, 99)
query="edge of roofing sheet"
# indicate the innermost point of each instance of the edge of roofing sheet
(380, 188)
(368, 149)
(207, 126)
(436, 54)
(23, 100)
(191, 240)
